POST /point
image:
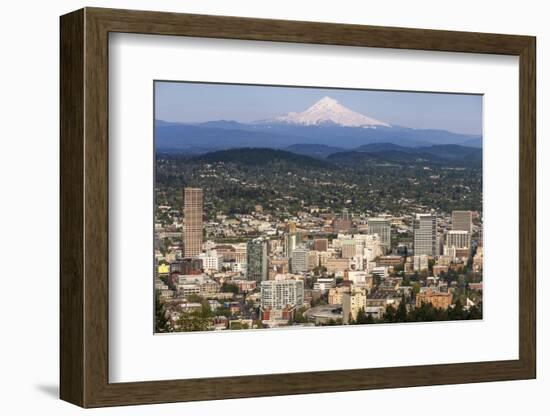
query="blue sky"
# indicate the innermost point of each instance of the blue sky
(196, 102)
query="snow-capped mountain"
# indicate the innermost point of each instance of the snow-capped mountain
(329, 111)
(325, 123)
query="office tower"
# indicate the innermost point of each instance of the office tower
(462, 221)
(320, 244)
(240, 253)
(192, 209)
(382, 227)
(280, 294)
(291, 242)
(458, 239)
(343, 223)
(299, 260)
(425, 235)
(292, 227)
(349, 249)
(257, 257)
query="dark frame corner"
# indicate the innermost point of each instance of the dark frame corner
(84, 207)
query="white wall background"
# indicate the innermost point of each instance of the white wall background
(29, 158)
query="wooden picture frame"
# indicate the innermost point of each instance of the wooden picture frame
(84, 207)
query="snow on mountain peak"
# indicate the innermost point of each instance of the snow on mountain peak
(329, 111)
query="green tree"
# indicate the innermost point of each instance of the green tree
(230, 287)
(401, 314)
(362, 317)
(162, 324)
(390, 315)
(299, 316)
(193, 321)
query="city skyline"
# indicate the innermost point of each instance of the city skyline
(325, 214)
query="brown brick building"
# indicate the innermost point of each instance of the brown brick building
(439, 300)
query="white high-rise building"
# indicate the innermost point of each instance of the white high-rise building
(382, 227)
(425, 235)
(371, 247)
(280, 294)
(299, 260)
(458, 239)
(211, 260)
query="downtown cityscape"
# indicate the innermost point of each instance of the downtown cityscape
(315, 218)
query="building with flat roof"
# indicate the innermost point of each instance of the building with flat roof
(320, 244)
(337, 265)
(381, 227)
(441, 300)
(462, 221)
(352, 303)
(299, 260)
(281, 294)
(458, 239)
(192, 231)
(425, 235)
(257, 258)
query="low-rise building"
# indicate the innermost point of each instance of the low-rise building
(337, 265)
(390, 261)
(324, 283)
(438, 269)
(437, 299)
(420, 263)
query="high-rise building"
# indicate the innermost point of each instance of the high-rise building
(348, 249)
(299, 260)
(192, 209)
(240, 253)
(292, 229)
(425, 235)
(320, 244)
(382, 227)
(291, 242)
(343, 223)
(458, 239)
(352, 303)
(257, 256)
(462, 221)
(280, 294)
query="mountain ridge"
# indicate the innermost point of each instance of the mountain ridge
(327, 123)
(329, 111)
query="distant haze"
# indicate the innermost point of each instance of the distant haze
(198, 102)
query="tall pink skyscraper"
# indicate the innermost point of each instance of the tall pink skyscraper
(192, 232)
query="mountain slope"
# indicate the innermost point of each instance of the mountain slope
(259, 157)
(314, 150)
(326, 123)
(386, 152)
(182, 137)
(329, 111)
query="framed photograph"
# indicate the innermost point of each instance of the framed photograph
(256, 207)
